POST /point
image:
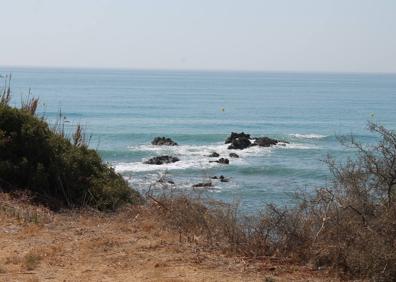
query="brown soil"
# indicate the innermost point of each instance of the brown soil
(132, 245)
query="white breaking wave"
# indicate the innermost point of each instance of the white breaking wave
(308, 136)
(300, 146)
(197, 156)
(191, 156)
(182, 164)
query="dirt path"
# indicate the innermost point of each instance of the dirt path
(129, 246)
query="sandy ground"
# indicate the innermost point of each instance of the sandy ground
(128, 246)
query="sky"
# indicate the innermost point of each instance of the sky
(256, 35)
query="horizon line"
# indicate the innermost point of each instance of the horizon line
(197, 70)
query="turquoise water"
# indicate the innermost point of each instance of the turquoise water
(125, 109)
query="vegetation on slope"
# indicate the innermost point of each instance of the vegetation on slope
(58, 172)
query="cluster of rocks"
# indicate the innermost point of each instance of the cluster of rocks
(240, 141)
(160, 160)
(221, 178)
(222, 160)
(237, 141)
(208, 184)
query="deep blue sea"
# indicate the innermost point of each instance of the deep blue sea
(124, 110)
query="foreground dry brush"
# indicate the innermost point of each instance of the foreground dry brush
(348, 227)
(128, 245)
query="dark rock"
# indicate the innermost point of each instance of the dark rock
(221, 161)
(166, 181)
(233, 155)
(223, 179)
(265, 142)
(235, 135)
(163, 141)
(202, 185)
(162, 160)
(214, 155)
(240, 143)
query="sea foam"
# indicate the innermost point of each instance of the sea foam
(308, 136)
(197, 156)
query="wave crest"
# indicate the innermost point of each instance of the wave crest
(308, 136)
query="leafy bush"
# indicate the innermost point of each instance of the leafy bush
(58, 172)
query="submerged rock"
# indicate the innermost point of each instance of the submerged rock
(162, 160)
(202, 185)
(214, 155)
(235, 135)
(222, 178)
(163, 141)
(164, 180)
(233, 155)
(221, 161)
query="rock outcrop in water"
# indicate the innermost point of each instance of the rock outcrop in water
(221, 161)
(163, 141)
(233, 155)
(235, 135)
(214, 155)
(240, 141)
(265, 142)
(162, 160)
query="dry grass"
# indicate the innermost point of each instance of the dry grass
(2, 269)
(129, 244)
(31, 260)
(20, 207)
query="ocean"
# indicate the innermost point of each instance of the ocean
(123, 110)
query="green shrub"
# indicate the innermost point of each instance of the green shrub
(59, 173)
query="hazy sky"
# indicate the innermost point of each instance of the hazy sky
(276, 35)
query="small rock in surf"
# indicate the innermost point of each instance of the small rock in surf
(162, 160)
(163, 141)
(221, 161)
(221, 178)
(214, 155)
(265, 142)
(202, 185)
